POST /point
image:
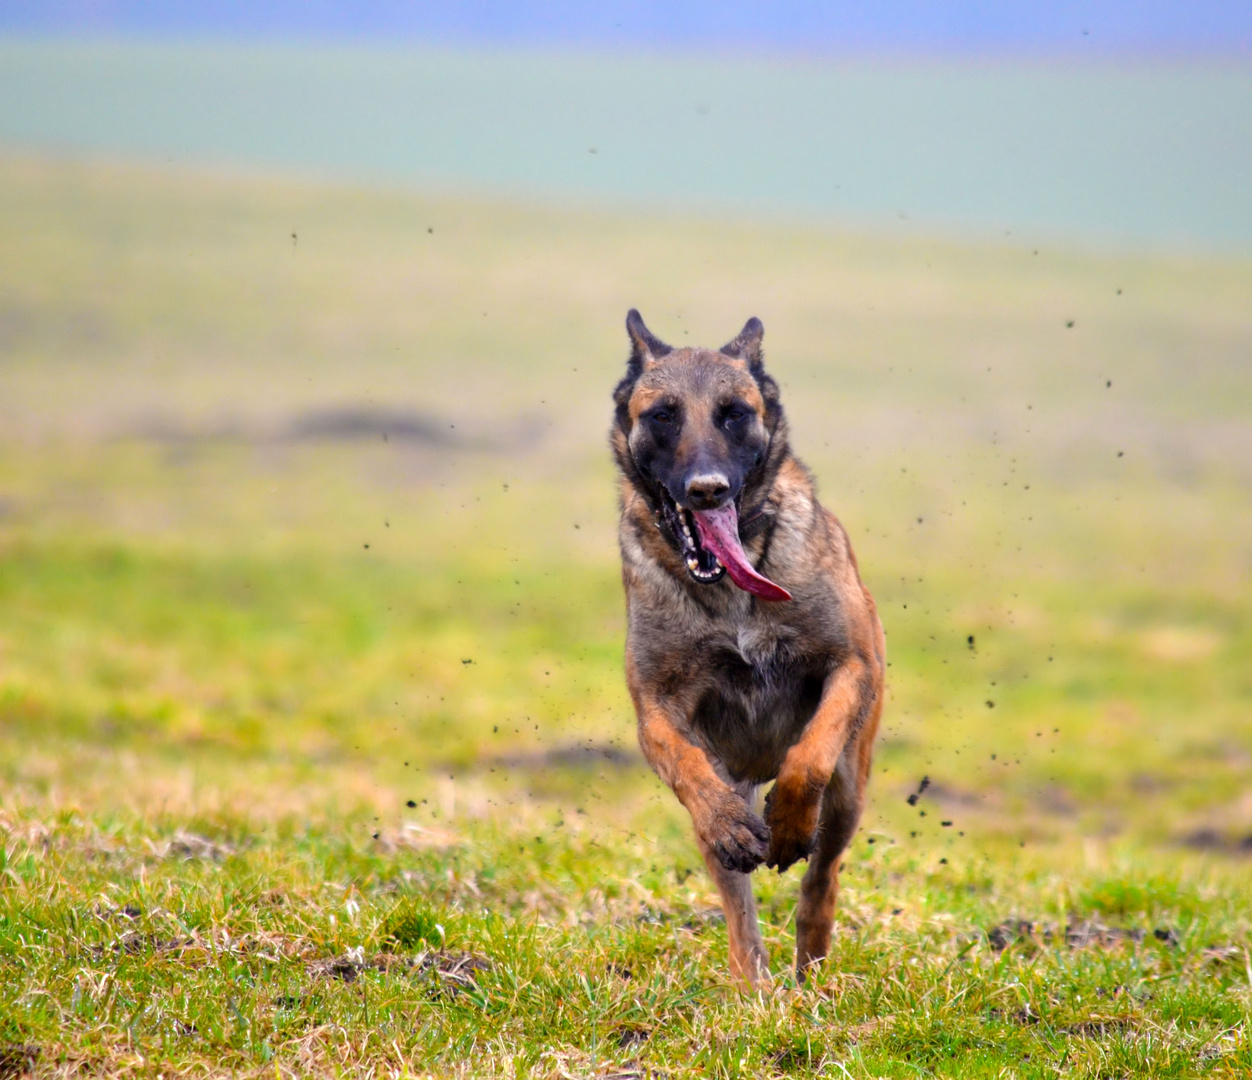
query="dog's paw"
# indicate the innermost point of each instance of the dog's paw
(738, 837)
(793, 828)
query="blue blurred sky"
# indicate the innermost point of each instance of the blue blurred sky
(1096, 27)
(1128, 123)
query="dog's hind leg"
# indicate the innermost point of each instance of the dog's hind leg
(842, 803)
(749, 964)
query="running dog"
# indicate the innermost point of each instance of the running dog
(753, 651)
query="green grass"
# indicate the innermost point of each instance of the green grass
(274, 801)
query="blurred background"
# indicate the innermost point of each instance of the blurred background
(310, 313)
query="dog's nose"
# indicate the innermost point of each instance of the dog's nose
(705, 492)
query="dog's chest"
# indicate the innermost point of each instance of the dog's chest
(754, 633)
(761, 659)
(762, 691)
(758, 643)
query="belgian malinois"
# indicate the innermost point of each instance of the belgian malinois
(753, 650)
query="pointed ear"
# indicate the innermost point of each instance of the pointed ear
(747, 346)
(645, 351)
(645, 348)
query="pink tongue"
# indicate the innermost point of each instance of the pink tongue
(719, 532)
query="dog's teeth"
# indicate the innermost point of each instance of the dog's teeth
(693, 564)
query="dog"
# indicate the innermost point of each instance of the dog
(753, 651)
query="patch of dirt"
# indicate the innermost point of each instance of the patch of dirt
(128, 913)
(1024, 1015)
(348, 422)
(1224, 954)
(451, 971)
(356, 422)
(1097, 1027)
(18, 1059)
(1077, 935)
(1225, 1043)
(1004, 934)
(695, 922)
(189, 847)
(134, 943)
(628, 1036)
(416, 838)
(947, 796)
(1054, 799)
(263, 946)
(574, 1065)
(1081, 935)
(199, 948)
(1094, 1027)
(1145, 783)
(572, 755)
(346, 967)
(1208, 839)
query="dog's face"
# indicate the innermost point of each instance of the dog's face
(697, 426)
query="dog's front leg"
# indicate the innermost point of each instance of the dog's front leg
(731, 831)
(731, 837)
(812, 782)
(749, 962)
(793, 806)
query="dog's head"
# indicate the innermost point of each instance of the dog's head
(696, 431)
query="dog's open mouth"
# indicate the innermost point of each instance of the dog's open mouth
(702, 564)
(711, 548)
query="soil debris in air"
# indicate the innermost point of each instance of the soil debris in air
(921, 788)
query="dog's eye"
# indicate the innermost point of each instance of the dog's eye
(661, 417)
(734, 414)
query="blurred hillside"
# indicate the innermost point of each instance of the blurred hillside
(1128, 153)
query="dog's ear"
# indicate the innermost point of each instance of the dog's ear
(646, 350)
(747, 346)
(645, 347)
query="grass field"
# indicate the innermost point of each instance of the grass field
(315, 753)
